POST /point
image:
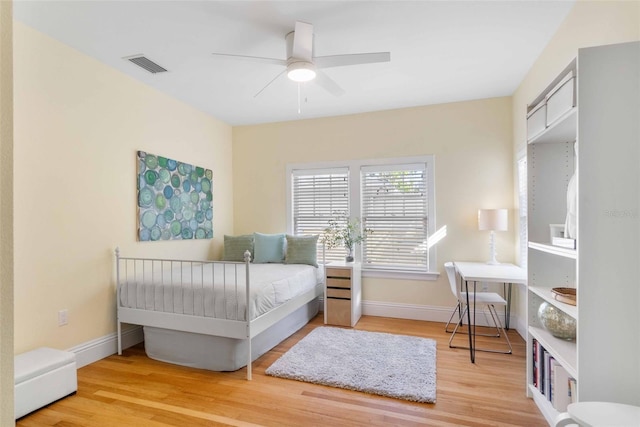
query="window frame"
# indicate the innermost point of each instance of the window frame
(355, 167)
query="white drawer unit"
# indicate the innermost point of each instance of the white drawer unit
(342, 294)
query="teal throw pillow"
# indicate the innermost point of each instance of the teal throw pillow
(268, 248)
(302, 250)
(235, 246)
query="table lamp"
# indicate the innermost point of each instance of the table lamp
(492, 220)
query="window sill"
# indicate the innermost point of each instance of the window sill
(401, 274)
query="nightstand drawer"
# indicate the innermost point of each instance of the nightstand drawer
(338, 283)
(339, 272)
(339, 312)
(338, 293)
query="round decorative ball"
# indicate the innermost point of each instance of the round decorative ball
(556, 321)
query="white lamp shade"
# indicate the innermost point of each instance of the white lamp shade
(493, 219)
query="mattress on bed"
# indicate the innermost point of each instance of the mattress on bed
(215, 289)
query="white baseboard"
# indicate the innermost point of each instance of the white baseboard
(94, 350)
(428, 313)
(406, 311)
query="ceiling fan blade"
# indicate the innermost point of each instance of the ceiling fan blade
(275, 61)
(302, 41)
(351, 59)
(268, 84)
(328, 84)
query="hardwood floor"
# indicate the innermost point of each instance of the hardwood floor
(133, 390)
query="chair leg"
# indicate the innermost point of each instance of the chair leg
(461, 322)
(457, 308)
(496, 319)
(497, 333)
(453, 334)
(498, 326)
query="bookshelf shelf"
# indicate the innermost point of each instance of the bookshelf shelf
(555, 250)
(545, 294)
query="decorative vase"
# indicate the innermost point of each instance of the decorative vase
(349, 257)
(556, 321)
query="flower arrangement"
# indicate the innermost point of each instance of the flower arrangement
(343, 231)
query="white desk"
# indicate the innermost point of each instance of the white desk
(595, 414)
(475, 272)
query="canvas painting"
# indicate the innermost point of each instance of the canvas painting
(175, 199)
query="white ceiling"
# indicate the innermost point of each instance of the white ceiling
(441, 51)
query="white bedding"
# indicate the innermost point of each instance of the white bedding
(215, 289)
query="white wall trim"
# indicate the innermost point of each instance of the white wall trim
(428, 313)
(99, 348)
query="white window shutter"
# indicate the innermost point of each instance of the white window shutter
(317, 197)
(395, 209)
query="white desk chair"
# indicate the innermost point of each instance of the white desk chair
(599, 414)
(488, 300)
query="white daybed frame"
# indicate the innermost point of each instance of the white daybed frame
(215, 326)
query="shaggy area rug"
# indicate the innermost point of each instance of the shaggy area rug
(391, 365)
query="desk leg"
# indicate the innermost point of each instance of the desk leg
(471, 339)
(474, 320)
(506, 291)
(507, 308)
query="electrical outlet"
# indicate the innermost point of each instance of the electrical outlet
(63, 317)
(485, 287)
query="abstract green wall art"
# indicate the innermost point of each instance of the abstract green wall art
(175, 199)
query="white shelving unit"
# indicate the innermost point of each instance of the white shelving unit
(605, 266)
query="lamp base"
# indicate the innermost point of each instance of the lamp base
(492, 249)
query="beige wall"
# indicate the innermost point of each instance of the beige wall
(6, 214)
(78, 125)
(589, 23)
(472, 145)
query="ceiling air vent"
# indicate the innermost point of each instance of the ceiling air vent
(143, 62)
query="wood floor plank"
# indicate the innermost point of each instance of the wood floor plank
(133, 390)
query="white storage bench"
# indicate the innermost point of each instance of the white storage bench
(43, 376)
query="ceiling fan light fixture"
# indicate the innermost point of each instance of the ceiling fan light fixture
(301, 71)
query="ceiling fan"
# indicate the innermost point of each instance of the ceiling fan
(302, 66)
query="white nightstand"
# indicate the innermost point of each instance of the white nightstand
(342, 294)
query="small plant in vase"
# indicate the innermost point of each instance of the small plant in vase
(344, 232)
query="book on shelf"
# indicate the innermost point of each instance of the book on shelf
(538, 366)
(572, 390)
(561, 395)
(552, 385)
(534, 348)
(564, 242)
(546, 381)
